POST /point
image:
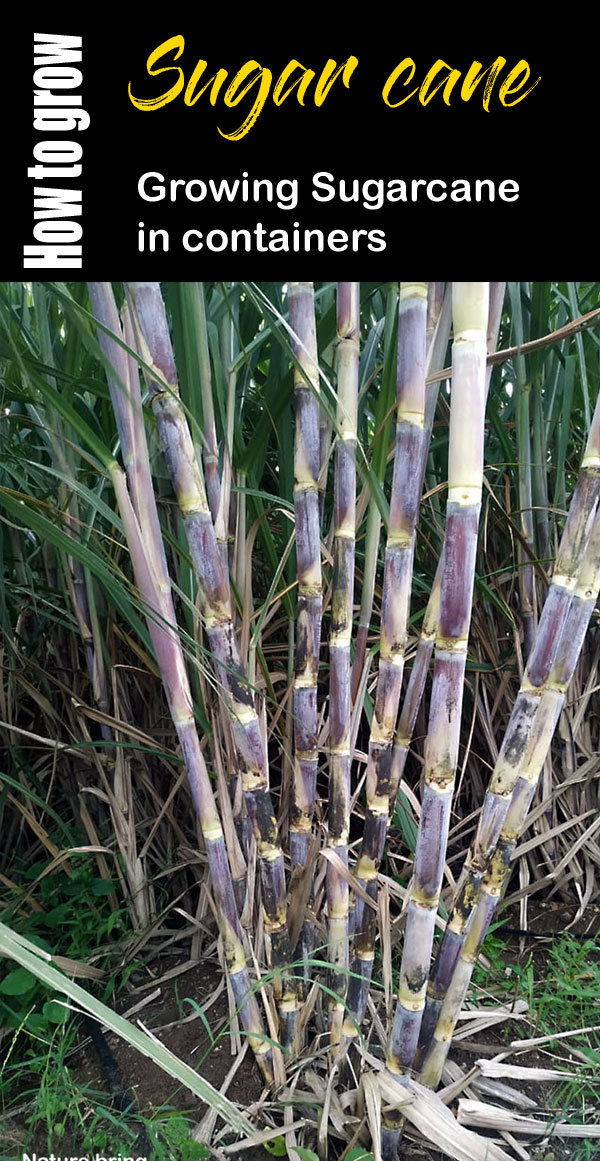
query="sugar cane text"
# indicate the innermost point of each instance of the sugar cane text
(255, 83)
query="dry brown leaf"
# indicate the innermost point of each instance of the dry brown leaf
(485, 1116)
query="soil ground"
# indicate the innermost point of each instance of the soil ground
(189, 1039)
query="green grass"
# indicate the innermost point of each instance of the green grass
(561, 985)
(563, 992)
(39, 1084)
(73, 1117)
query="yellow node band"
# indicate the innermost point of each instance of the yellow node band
(413, 290)
(465, 495)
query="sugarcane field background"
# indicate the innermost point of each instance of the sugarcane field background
(299, 714)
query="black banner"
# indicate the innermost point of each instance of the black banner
(261, 141)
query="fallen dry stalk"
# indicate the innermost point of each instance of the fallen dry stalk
(485, 1116)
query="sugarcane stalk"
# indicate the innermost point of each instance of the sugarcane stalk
(194, 302)
(470, 302)
(307, 462)
(416, 682)
(523, 425)
(420, 668)
(365, 918)
(372, 537)
(540, 479)
(435, 302)
(531, 724)
(342, 604)
(230, 522)
(378, 463)
(137, 506)
(411, 443)
(154, 345)
(437, 331)
(228, 516)
(169, 655)
(498, 865)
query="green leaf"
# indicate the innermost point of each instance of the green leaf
(102, 887)
(17, 982)
(277, 1147)
(200, 1012)
(36, 1024)
(54, 1012)
(305, 1154)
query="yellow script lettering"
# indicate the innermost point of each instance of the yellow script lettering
(174, 42)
